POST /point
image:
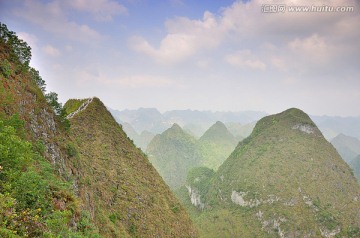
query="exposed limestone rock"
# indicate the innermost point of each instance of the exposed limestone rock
(329, 234)
(195, 197)
(238, 198)
(308, 129)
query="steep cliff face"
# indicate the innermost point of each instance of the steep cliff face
(117, 183)
(20, 95)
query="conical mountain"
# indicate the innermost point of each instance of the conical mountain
(284, 180)
(217, 132)
(173, 153)
(216, 145)
(117, 184)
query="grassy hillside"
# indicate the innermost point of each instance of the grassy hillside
(117, 183)
(173, 153)
(284, 180)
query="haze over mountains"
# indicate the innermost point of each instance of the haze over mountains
(197, 122)
(152, 120)
(347, 146)
(349, 149)
(331, 126)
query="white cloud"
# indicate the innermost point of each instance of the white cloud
(51, 51)
(185, 37)
(103, 10)
(68, 48)
(313, 48)
(94, 75)
(52, 18)
(279, 63)
(136, 81)
(245, 59)
(243, 25)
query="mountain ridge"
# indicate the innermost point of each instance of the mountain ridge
(135, 195)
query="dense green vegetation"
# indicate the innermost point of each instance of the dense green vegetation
(283, 180)
(35, 201)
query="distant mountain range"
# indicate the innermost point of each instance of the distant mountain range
(194, 121)
(240, 124)
(347, 146)
(331, 126)
(349, 149)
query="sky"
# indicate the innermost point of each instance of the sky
(202, 55)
